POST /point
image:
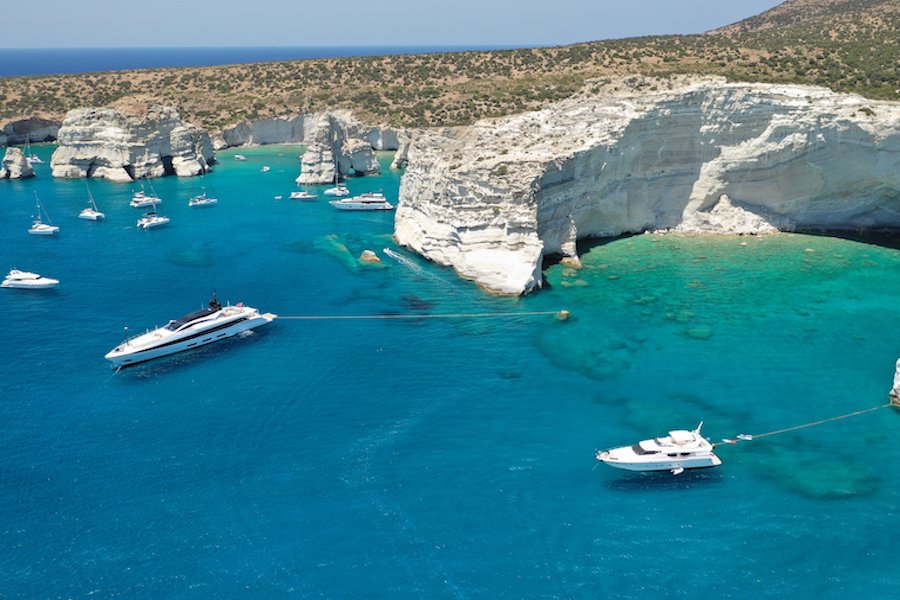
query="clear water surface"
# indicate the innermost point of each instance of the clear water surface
(433, 458)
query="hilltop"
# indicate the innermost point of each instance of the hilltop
(846, 45)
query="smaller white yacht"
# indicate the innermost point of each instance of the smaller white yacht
(340, 190)
(195, 329)
(265, 169)
(202, 200)
(25, 280)
(152, 219)
(38, 227)
(367, 201)
(140, 199)
(302, 195)
(35, 159)
(675, 452)
(91, 213)
(240, 157)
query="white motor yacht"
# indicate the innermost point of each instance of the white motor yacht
(151, 220)
(302, 196)
(195, 329)
(27, 281)
(142, 200)
(201, 200)
(675, 452)
(240, 157)
(265, 169)
(367, 201)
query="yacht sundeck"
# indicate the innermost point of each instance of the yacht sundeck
(302, 196)
(151, 220)
(27, 281)
(675, 452)
(195, 329)
(367, 201)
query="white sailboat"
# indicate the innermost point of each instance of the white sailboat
(91, 213)
(32, 157)
(38, 227)
(140, 199)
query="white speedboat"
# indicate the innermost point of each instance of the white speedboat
(302, 195)
(675, 452)
(265, 169)
(35, 159)
(151, 220)
(240, 157)
(195, 329)
(27, 281)
(339, 190)
(142, 200)
(201, 200)
(38, 227)
(367, 201)
(91, 213)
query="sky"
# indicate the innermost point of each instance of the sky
(187, 23)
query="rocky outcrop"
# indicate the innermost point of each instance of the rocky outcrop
(105, 143)
(317, 165)
(15, 165)
(307, 128)
(634, 155)
(23, 131)
(401, 157)
(357, 157)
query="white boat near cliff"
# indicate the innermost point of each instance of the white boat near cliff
(140, 199)
(38, 227)
(679, 450)
(91, 213)
(367, 201)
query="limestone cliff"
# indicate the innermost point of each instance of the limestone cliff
(317, 165)
(15, 165)
(307, 128)
(23, 131)
(106, 143)
(697, 155)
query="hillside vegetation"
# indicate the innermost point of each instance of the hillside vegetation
(847, 45)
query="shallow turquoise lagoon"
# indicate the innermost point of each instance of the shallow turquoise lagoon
(434, 458)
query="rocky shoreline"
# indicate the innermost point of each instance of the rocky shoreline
(688, 154)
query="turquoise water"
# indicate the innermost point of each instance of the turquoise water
(434, 458)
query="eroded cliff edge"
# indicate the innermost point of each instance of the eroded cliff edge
(696, 155)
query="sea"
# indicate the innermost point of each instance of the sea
(55, 61)
(434, 457)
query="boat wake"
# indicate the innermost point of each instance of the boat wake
(412, 266)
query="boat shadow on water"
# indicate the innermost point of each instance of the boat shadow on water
(636, 481)
(190, 358)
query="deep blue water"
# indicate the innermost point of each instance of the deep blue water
(433, 458)
(47, 61)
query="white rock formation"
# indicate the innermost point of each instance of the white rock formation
(105, 143)
(317, 165)
(357, 156)
(15, 165)
(401, 157)
(23, 131)
(696, 154)
(308, 128)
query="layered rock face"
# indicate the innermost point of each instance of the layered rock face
(15, 165)
(693, 155)
(24, 131)
(105, 143)
(306, 128)
(317, 165)
(357, 157)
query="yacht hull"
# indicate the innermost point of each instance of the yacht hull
(140, 355)
(699, 462)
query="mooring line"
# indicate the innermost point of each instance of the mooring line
(745, 437)
(560, 313)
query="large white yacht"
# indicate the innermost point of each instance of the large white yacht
(367, 201)
(195, 329)
(675, 452)
(25, 280)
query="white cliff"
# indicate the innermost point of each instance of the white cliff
(317, 165)
(33, 129)
(307, 128)
(105, 143)
(15, 165)
(689, 154)
(357, 157)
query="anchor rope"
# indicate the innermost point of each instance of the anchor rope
(422, 316)
(814, 423)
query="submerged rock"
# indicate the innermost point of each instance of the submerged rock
(108, 144)
(691, 153)
(15, 165)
